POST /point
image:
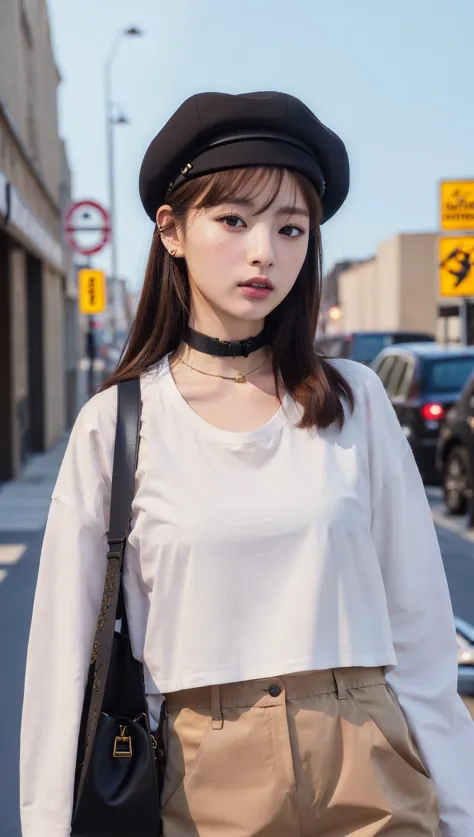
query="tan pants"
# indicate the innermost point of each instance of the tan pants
(326, 753)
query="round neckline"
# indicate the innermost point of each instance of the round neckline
(265, 431)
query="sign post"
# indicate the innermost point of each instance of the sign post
(87, 229)
(456, 251)
(457, 205)
(456, 267)
(92, 291)
(92, 300)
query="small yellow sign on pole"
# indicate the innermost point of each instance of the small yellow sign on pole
(456, 266)
(92, 293)
(457, 205)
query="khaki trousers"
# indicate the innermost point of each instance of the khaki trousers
(325, 753)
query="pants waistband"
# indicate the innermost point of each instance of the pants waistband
(260, 692)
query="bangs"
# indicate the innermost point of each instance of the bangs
(249, 183)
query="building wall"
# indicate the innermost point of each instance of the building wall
(28, 84)
(19, 337)
(33, 162)
(388, 312)
(418, 281)
(44, 95)
(358, 296)
(20, 326)
(398, 289)
(12, 48)
(55, 380)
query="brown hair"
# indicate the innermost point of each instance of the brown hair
(164, 305)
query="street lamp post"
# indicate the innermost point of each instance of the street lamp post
(111, 121)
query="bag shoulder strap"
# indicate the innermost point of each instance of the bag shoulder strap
(127, 438)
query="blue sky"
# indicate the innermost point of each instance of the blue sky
(394, 79)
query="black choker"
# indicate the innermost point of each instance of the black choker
(223, 348)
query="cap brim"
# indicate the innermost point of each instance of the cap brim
(253, 153)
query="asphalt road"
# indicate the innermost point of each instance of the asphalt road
(17, 582)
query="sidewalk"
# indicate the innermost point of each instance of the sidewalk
(24, 502)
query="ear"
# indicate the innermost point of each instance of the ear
(169, 232)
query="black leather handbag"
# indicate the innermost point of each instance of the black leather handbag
(120, 762)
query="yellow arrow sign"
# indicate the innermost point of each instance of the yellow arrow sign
(457, 205)
(456, 266)
(92, 293)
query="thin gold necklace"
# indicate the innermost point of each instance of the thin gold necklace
(239, 378)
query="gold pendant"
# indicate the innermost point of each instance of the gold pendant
(239, 378)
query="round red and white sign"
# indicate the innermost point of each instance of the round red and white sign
(87, 227)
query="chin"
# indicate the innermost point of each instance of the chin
(253, 310)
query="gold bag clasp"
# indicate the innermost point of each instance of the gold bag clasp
(123, 745)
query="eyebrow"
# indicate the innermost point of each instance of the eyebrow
(284, 210)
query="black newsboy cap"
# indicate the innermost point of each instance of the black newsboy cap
(216, 131)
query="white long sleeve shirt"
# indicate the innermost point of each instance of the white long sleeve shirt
(251, 555)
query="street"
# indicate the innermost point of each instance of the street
(19, 556)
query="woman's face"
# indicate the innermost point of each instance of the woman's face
(226, 247)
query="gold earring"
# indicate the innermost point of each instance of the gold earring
(173, 252)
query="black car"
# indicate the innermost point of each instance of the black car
(465, 643)
(456, 435)
(423, 381)
(364, 346)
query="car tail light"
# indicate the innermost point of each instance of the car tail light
(432, 411)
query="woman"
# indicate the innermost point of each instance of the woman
(284, 585)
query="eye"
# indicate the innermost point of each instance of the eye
(231, 221)
(292, 231)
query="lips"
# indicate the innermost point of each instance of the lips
(259, 282)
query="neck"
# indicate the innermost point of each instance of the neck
(224, 328)
(216, 325)
(222, 365)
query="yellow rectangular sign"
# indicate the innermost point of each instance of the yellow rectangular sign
(457, 205)
(92, 293)
(456, 266)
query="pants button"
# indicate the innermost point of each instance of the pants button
(275, 690)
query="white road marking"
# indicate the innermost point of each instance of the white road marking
(11, 553)
(3, 575)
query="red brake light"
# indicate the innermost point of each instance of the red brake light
(432, 412)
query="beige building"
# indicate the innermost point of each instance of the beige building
(36, 291)
(398, 289)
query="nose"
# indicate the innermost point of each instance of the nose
(260, 252)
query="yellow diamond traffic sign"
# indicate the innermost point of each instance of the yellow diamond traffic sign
(456, 266)
(457, 205)
(92, 294)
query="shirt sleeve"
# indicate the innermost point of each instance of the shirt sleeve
(66, 606)
(425, 677)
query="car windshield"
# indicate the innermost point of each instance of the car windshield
(448, 374)
(365, 347)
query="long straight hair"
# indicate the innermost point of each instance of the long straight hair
(165, 301)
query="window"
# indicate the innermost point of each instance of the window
(397, 374)
(385, 367)
(412, 337)
(447, 374)
(367, 346)
(406, 381)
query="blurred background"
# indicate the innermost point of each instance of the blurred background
(84, 86)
